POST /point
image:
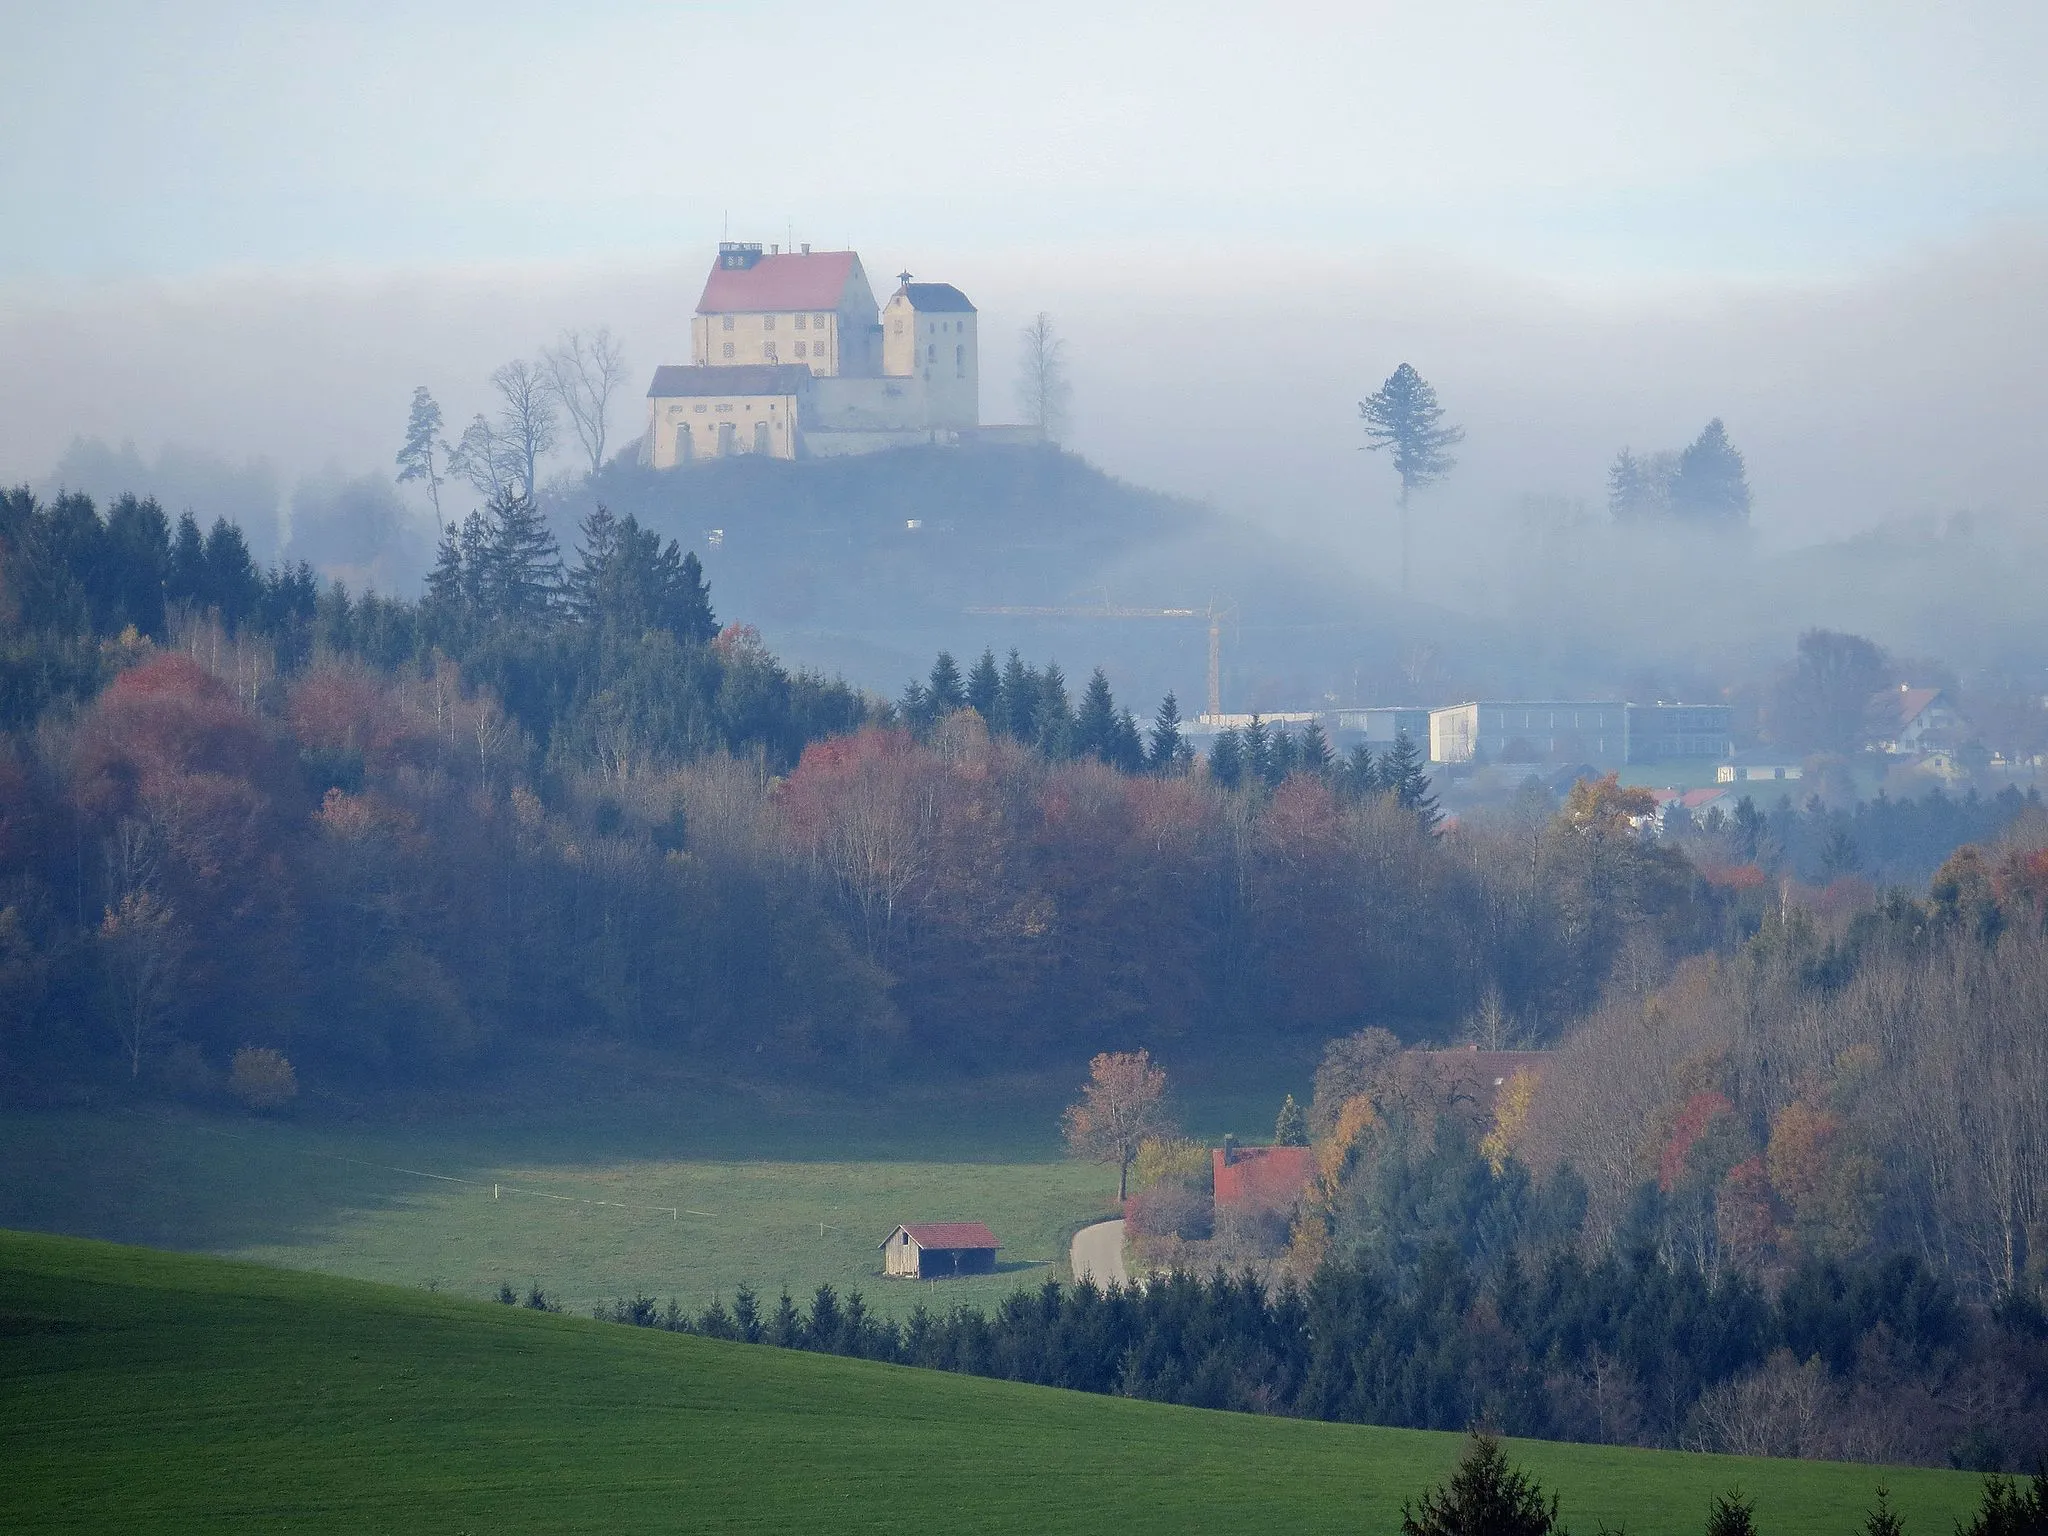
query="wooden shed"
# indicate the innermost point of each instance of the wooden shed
(932, 1250)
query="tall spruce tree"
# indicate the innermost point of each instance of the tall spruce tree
(1404, 418)
(1359, 778)
(1162, 752)
(1226, 758)
(524, 563)
(985, 688)
(1712, 484)
(1258, 750)
(1401, 774)
(1055, 717)
(1282, 756)
(1018, 701)
(233, 585)
(185, 582)
(1127, 745)
(944, 686)
(1095, 724)
(1312, 751)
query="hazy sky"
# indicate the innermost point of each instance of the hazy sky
(150, 139)
(255, 227)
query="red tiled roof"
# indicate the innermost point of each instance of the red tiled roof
(951, 1234)
(797, 280)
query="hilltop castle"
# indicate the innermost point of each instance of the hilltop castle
(790, 358)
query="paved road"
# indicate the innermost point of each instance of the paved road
(1099, 1254)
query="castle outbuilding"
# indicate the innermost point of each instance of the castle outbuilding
(790, 358)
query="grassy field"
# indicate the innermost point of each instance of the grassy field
(767, 1188)
(162, 1392)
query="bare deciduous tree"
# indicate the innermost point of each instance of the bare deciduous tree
(141, 945)
(583, 373)
(526, 422)
(1042, 388)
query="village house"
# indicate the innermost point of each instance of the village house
(934, 1250)
(1912, 720)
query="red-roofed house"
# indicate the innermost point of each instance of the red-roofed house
(1272, 1178)
(809, 307)
(930, 1250)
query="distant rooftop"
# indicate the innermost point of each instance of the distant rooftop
(746, 282)
(675, 381)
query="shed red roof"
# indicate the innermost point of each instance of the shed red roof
(951, 1234)
(793, 280)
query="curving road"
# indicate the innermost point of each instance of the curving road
(1098, 1254)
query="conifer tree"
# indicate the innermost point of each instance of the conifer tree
(1018, 701)
(421, 456)
(1883, 1520)
(1312, 750)
(1486, 1496)
(1401, 775)
(944, 686)
(985, 688)
(186, 580)
(1291, 1128)
(1226, 758)
(1127, 748)
(1055, 716)
(232, 583)
(1095, 724)
(1281, 757)
(1258, 750)
(524, 562)
(1360, 777)
(1404, 416)
(1731, 1515)
(1712, 485)
(1162, 753)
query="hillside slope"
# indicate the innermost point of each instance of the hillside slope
(150, 1391)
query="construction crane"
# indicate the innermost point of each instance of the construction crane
(1215, 613)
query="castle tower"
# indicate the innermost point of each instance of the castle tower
(928, 334)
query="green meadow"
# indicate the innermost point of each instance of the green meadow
(146, 1391)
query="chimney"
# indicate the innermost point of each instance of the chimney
(774, 250)
(807, 247)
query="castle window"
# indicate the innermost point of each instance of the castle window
(768, 350)
(895, 327)
(728, 322)
(931, 353)
(800, 319)
(701, 409)
(767, 322)
(728, 349)
(960, 357)
(817, 322)
(800, 352)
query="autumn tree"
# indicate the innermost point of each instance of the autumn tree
(141, 947)
(1123, 1103)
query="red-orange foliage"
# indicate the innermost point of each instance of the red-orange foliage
(1694, 1120)
(345, 709)
(163, 721)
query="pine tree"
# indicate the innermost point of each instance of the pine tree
(1731, 1515)
(1095, 725)
(944, 686)
(1055, 717)
(1163, 751)
(985, 689)
(1258, 750)
(1712, 485)
(1883, 1521)
(1018, 701)
(1226, 758)
(1312, 751)
(1404, 416)
(1401, 774)
(419, 458)
(694, 622)
(786, 1327)
(185, 582)
(1281, 757)
(524, 562)
(1359, 777)
(1291, 1129)
(1127, 746)
(1486, 1496)
(232, 583)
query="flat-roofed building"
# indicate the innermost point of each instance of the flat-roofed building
(1665, 733)
(1530, 731)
